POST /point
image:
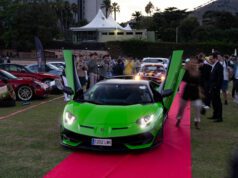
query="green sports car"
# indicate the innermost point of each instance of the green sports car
(117, 114)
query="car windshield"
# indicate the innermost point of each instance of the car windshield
(153, 61)
(7, 75)
(58, 65)
(152, 69)
(28, 70)
(118, 94)
(52, 67)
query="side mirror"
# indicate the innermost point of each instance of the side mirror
(68, 90)
(166, 93)
(79, 95)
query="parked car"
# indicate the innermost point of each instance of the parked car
(155, 71)
(25, 88)
(161, 60)
(22, 71)
(58, 64)
(49, 68)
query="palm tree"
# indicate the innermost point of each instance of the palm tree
(137, 16)
(74, 8)
(106, 4)
(149, 8)
(58, 7)
(115, 9)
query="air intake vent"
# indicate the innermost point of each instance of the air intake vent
(87, 127)
(122, 128)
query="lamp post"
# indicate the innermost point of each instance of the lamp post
(177, 35)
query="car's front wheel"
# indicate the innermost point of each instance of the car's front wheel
(24, 93)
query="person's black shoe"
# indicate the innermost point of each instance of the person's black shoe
(203, 111)
(226, 103)
(211, 118)
(197, 125)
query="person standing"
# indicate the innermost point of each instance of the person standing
(93, 69)
(118, 68)
(82, 72)
(129, 65)
(226, 69)
(191, 91)
(205, 69)
(216, 81)
(106, 67)
(235, 81)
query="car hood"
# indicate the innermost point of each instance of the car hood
(43, 74)
(93, 115)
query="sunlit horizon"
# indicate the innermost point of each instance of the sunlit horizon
(128, 7)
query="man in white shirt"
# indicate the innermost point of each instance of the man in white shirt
(225, 83)
(236, 80)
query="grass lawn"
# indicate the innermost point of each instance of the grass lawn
(30, 141)
(213, 145)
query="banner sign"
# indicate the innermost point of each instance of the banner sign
(40, 55)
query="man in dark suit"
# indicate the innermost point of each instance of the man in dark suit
(216, 80)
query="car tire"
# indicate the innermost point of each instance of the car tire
(25, 93)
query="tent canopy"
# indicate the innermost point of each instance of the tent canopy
(100, 22)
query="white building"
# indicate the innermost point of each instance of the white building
(88, 9)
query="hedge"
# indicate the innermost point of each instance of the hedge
(152, 49)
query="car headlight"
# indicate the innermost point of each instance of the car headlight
(42, 85)
(137, 77)
(145, 121)
(162, 78)
(69, 118)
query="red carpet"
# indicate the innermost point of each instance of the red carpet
(172, 159)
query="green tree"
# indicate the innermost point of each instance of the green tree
(187, 27)
(137, 17)
(23, 21)
(149, 8)
(165, 23)
(115, 8)
(106, 4)
(222, 20)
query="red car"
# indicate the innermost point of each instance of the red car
(25, 88)
(153, 71)
(22, 71)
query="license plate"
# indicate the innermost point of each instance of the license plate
(101, 142)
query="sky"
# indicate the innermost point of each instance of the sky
(127, 7)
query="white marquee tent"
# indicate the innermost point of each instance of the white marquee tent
(100, 22)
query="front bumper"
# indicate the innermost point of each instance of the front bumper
(133, 142)
(41, 92)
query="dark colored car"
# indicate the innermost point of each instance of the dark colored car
(22, 71)
(25, 88)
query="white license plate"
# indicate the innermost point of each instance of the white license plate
(101, 142)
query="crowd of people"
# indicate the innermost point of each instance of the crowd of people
(205, 78)
(96, 68)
